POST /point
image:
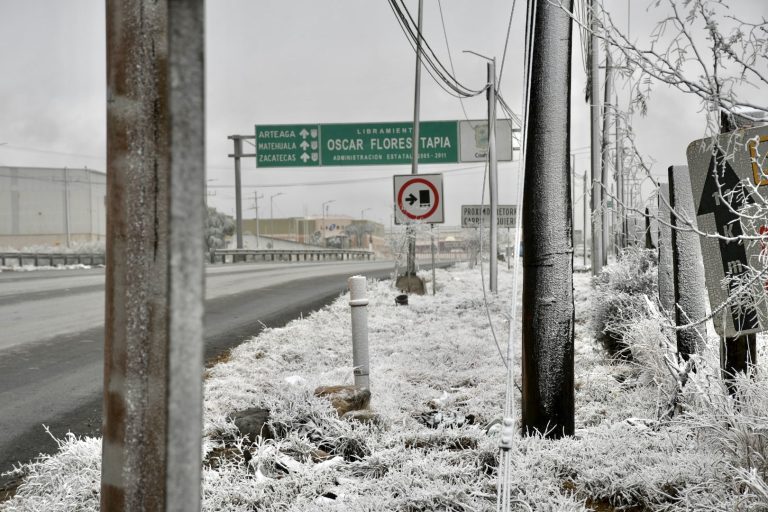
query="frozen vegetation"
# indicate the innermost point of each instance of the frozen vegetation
(643, 442)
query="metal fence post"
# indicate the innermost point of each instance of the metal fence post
(358, 300)
(151, 457)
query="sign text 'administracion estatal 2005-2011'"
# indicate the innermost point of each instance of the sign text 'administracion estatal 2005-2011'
(313, 145)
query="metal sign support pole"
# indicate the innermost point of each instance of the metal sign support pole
(153, 354)
(432, 249)
(410, 233)
(493, 177)
(238, 192)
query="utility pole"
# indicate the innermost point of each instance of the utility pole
(66, 207)
(493, 177)
(594, 96)
(572, 175)
(271, 217)
(548, 309)
(409, 231)
(584, 228)
(256, 197)
(619, 175)
(606, 154)
(153, 326)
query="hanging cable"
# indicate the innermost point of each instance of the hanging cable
(503, 498)
(432, 63)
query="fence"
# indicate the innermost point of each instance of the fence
(243, 255)
(50, 259)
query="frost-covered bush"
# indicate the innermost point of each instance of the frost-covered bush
(620, 297)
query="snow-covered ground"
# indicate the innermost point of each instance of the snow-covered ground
(437, 383)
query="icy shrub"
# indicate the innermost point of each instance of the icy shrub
(736, 426)
(619, 297)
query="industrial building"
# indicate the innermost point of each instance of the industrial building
(51, 206)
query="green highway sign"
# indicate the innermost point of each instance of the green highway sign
(288, 145)
(312, 145)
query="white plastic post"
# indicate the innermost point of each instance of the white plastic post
(358, 300)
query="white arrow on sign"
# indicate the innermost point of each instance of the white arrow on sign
(304, 145)
(304, 157)
(303, 133)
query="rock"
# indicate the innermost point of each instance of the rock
(345, 398)
(253, 422)
(319, 455)
(410, 284)
(363, 416)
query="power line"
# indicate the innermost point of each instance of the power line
(506, 40)
(454, 172)
(434, 65)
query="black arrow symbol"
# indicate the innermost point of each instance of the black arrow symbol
(725, 202)
(411, 199)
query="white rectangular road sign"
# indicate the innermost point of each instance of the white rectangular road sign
(473, 140)
(473, 214)
(728, 178)
(419, 199)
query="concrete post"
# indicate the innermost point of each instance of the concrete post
(666, 280)
(358, 300)
(688, 272)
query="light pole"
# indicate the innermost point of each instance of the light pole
(256, 197)
(493, 172)
(271, 218)
(325, 211)
(362, 217)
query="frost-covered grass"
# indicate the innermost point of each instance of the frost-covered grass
(435, 362)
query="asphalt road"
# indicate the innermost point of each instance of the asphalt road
(51, 338)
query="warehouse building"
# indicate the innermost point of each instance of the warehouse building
(51, 206)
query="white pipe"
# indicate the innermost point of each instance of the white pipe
(358, 300)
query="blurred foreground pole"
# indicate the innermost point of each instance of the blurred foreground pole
(548, 311)
(152, 424)
(688, 266)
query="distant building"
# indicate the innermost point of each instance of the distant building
(50, 206)
(337, 231)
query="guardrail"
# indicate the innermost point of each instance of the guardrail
(50, 259)
(242, 255)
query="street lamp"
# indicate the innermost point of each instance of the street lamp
(271, 218)
(362, 213)
(325, 211)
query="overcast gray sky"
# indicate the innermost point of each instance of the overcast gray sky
(300, 61)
